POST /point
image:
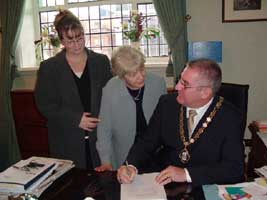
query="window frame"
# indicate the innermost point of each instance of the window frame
(154, 62)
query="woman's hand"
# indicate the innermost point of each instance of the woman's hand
(104, 167)
(88, 123)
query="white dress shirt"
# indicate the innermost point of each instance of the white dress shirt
(200, 112)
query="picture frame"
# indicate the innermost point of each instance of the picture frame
(244, 10)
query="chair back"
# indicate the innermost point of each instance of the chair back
(237, 94)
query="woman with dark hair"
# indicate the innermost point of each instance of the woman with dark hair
(68, 93)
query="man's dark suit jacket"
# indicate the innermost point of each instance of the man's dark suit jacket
(216, 157)
(58, 100)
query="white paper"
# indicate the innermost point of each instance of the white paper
(262, 171)
(257, 191)
(144, 187)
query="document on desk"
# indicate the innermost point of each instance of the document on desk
(144, 187)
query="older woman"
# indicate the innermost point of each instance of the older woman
(127, 104)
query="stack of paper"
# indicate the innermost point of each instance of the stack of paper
(33, 175)
(144, 187)
(262, 125)
(247, 190)
(262, 171)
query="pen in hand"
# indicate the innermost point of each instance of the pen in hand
(127, 169)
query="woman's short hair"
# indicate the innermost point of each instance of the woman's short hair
(66, 21)
(126, 59)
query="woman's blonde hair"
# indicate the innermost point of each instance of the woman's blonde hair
(126, 59)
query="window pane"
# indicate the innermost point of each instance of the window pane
(43, 17)
(116, 39)
(153, 50)
(126, 8)
(152, 22)
(144, 50)
(95, 40)
(51, 16)
(51, 2)
(163, 50)
(105, 11)
(83, 13)
(87, 41)
(94, 26)
(116, 25)
(105, 26)
(85, 25)
(106, 40)
(151, 10)
(153, 41)
(142, 9)
(94, 12)
(75, 11)
(60, 2)
(115, 11)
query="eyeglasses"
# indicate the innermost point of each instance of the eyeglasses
(187, 86)
(133, 74)
(78, 40)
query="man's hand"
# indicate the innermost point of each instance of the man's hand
(171, 174)
(126, 174)
(88, 123)
(104, 167)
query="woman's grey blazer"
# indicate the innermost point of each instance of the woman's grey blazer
(117, 129)
(58, 99)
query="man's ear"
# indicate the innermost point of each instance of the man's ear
(206, 93)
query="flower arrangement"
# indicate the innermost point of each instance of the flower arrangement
(134, 30)
(47, 39)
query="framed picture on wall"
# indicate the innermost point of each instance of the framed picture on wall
(244, 10)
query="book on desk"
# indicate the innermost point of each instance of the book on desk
(33, 175)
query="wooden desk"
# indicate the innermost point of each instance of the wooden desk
(78, 184)
(258, 154)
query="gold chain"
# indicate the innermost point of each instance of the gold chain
(184, 154)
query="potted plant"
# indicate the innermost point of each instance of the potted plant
(49, 39)
(134, 29)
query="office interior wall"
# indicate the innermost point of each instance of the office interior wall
(244, 52)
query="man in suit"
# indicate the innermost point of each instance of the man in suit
(211, 152)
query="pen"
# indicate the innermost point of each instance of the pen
(127, 168)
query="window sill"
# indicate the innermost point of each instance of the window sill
(26, 76)
(27, 71)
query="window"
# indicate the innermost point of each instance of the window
(102, 21)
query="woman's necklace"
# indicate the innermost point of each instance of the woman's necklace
(184, 154)
(136, 98)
